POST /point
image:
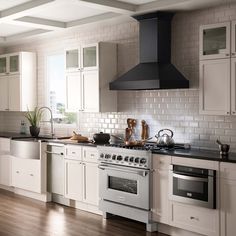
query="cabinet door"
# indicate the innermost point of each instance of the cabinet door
(214, 88)
(73, 180)
(233, 39)
(90, 91)
(73, 92)
(14, 93)
(215, 41)
(72, 60)
(160, 184)
(90, 57)
(5, 170)
(228, 207)
(14, 64)
(3, 65)
(233, 86)
(4, 93)
(90, 183)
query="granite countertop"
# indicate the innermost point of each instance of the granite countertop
(199, 154)
(191, 153)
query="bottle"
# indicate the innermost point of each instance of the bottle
(22, 127)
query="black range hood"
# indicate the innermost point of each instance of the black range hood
(155, 70)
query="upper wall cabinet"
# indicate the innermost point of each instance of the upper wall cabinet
(215, 41)
(89, 70)
(18, 81)
(10, 64)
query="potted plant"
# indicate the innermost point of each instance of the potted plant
(34, 117)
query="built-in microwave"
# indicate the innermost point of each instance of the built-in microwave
(192, 185)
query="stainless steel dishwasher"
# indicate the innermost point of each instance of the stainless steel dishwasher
(55, 172)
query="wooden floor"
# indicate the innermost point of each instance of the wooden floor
(20, 216)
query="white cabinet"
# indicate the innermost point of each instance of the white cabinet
(73, 180)
(89, 71)
(10, 64)
(18, 82)
(160, 183)
(196, 219)
(73, 94)
(26, 174)
(215, 41)
(214, 95)
(81, 174)
(228, 196)
(5, 162)
(233, 86)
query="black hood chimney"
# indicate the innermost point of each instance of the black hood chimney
(155, 70)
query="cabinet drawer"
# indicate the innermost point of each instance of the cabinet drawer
(90, 154)
(74, 152)
(196, 219)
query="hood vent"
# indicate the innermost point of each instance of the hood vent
(155, 70)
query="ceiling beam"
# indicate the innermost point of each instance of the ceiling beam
(31, 33)
(111, 6)
(92, 19)
(39, 23)
(23, 9)
(158, 5)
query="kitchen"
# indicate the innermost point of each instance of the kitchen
(180, 110)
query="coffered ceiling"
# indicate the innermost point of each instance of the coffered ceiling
(26, 18)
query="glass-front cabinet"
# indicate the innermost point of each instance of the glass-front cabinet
(215, 41)
(9, 64)
(3, 65)
(90, 57)
(72, 60)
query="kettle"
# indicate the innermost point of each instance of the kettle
(165, 140)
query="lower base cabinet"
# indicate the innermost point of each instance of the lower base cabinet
(26, 174)
(196, 219)
(228, 196)
(5, 170)
(81, 175)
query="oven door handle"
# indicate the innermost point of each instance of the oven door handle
(126, 170)
(190, 178)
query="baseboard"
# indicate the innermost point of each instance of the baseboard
(86, 207)
(8, 188)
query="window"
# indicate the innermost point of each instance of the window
(57, 89)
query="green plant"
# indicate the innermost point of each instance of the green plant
(34, 117)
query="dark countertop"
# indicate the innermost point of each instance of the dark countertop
(199, 154)
(13, 135)
(191, 153)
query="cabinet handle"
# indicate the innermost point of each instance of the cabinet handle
(232, 53)
(31, 175)
(84, 184)
(227, 54)
(228, 112)
(194, 218)
(17, 172)
(6, 109)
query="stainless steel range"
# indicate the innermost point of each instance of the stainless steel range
(124, 178)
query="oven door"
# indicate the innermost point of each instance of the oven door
(125, 185)
(199, 191)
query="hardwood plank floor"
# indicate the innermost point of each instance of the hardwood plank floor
(20, 216)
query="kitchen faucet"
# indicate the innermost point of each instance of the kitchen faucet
(51, 120)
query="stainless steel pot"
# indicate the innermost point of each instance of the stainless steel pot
(164, 139)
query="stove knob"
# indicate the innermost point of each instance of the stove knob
(143, 161)
(119, 158)
(131, 159)
(107, 156)
(126, 158)
(101, 155)
(136, 160)
(113, 157)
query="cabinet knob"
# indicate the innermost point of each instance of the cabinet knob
(228, 112)
(233, 112)
(31, 175)
(227, 54)
(17, 172)
(232, 53)
(193, 218)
